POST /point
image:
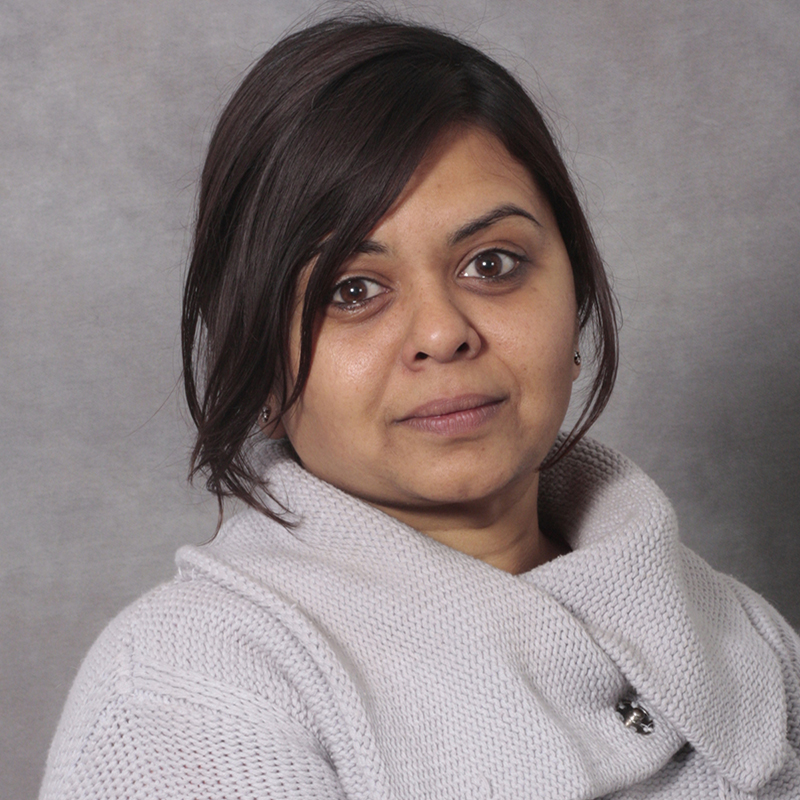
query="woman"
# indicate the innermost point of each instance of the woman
(433, 593)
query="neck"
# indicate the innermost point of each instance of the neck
(503, 531)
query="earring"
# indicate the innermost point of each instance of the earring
(266, 413)
(577, 358)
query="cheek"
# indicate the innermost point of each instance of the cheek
(346, 379)
(337, 419)
(538, 340)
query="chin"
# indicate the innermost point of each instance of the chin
(464, 489)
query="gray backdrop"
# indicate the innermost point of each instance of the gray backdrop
(680, 117)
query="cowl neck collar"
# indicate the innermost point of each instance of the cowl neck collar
(674, 627)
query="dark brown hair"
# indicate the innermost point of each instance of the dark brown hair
(307, 157)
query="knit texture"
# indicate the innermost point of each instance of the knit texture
(353, 657)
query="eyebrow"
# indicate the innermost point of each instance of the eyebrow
(488, 219)
(465, 231)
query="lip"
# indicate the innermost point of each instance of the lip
(453, 415)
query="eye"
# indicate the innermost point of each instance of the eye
(354, 292)
(491, 264)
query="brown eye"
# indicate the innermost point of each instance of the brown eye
(491, 264)
(354, 291)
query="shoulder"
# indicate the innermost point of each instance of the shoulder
(779, 635)
(192, 635)
(190, 679)
(738, 613)
(712, 590)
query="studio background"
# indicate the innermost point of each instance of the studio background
(682, 121)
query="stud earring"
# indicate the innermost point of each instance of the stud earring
(266, 413)
(577, 358)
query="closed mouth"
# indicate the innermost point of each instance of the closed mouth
(453, 415)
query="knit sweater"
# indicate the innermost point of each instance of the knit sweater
(353, 657)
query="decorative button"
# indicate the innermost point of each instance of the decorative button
(635, 717)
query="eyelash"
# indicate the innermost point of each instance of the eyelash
(518, 260)
(343, 305)
(354, 305)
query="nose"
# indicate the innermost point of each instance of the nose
(438, 330)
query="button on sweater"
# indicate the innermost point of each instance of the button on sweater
(350, 656)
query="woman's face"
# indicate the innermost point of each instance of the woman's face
(443, 365)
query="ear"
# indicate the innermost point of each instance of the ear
(576, 350)
(272, 428)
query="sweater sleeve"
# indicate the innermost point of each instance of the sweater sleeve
(134, 728)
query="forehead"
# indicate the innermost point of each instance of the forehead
(466, 172)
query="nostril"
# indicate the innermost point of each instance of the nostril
(420, 356)
(462, 348)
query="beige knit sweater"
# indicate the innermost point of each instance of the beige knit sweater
(353, 657)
